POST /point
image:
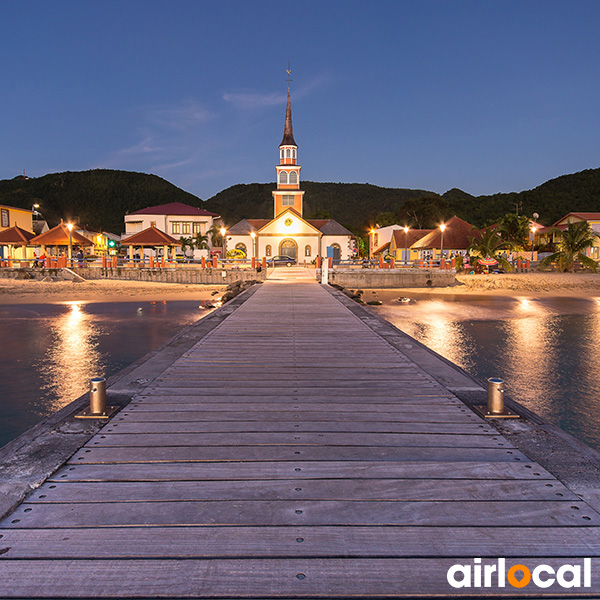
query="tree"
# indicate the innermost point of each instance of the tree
(573, 243)
(186, 242)
(515, 229)
(216, 239)
(423, 213)
(489, 244)
(385, 219)
(201, 241)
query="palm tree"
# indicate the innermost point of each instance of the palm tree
(186, 242)
(515, 229)
(201, 241)
(216, 239)
(489, 244)
(573, 243)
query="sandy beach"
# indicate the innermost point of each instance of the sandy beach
(17, 291)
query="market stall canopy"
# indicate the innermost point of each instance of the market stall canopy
(150, 237)
(59, 236)
(16, 236)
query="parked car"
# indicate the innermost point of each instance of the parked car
(279, 261)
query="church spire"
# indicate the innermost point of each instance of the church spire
(288, 131)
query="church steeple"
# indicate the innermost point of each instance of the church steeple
(288, 130)
(288, 194)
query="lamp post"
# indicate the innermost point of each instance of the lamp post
(70, 228)
(371, 234)
(34, 210)
(533, 230)
(442, 228)
(405, 244)
(253, 236)
(223, 232)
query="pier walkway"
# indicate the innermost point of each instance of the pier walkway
(292, 453)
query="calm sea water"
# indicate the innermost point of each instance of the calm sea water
(547, 351)
(49, 352)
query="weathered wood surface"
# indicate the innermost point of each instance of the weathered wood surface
(291, 453)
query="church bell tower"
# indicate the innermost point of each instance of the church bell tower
(288, 194)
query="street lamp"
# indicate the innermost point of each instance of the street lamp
(442, 228)
(70, 228)
(253, 236)
(406, 244)
(533, 230)
(371, 237)
(223, 232)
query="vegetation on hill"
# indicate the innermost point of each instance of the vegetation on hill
(99, 198)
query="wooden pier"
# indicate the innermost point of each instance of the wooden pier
(293, 453)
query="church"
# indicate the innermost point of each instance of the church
(289, 233)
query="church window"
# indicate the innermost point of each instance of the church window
(287, 200)
(287, 153)
(293, 152)
(281, 154)
(283, 177)
(293, 177)
(176, 228)
(307, 250)
(268, 250)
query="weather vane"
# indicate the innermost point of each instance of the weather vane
(289, 75)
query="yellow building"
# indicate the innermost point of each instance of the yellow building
(11, 216)
(547, 235)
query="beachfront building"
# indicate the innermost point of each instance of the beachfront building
(547, 235)
(289, 233)
(10, 216)
(380, 238)
(175, 219)
(454, 240)
(400, 245)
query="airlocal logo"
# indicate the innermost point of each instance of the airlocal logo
(519, 575)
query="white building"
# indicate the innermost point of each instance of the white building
(175, 219)
(289, 233)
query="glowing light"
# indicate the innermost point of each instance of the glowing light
(406, 229)
(70, 226)
(443, 227)
(223, 231)
(252, 234)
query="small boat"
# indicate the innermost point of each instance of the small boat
(404, 300)
(375, 303)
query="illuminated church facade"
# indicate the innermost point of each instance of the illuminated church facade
(289, 233)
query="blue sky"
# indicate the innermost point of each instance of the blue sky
(484, 95)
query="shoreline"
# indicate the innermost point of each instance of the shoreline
(531, 285)
(17, 291)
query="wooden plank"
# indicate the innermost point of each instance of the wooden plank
(305, 541)
(135, 427)
(299, 470)
(291, 453)
(299, 438)
(178, 415)
(307, 489)
(267, 578)
(304, 512)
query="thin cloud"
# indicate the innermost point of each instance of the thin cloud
(253, 100)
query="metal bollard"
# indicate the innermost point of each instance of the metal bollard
(495, 395)
(98, 396)
(97, 408)
(495, 401)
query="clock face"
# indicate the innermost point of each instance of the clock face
(288, 222)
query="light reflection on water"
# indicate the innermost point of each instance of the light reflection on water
(544, 349)
(48, 353)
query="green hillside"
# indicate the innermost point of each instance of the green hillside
(99, 198)
(352, 204)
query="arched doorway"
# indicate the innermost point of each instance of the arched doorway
(289, 248)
